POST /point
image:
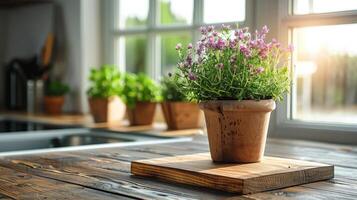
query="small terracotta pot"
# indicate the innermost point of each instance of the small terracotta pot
(53, 104)
(107, 109)
(237, 130)
(142, 114)
(181, 115)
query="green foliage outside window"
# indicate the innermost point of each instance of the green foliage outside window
(136, 45)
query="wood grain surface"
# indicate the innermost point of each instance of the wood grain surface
(108, 171)
(199, 170)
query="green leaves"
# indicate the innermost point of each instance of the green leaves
(140, 88)
(56, 88)
(171, 91)
(105, 82)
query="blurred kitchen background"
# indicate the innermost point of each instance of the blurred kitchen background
(63, 39)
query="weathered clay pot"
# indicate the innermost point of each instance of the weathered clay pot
(142, 114)
(181, 115)
(237, 130)
(107, 109)
(53, 104)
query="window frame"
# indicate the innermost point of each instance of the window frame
(154, 29)
(283, 123)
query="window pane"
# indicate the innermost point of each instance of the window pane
(224, 11)
(323, 6)
(133, 13)
(326, 73)
(169, 57)
(176, 11)
(132, 53)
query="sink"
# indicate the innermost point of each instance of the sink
(31, 142)
(18, 126)
(78, 140)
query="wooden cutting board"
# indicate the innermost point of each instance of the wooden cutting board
(198, 170)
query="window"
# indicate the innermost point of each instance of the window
(176, 12)
(131, 15)
(134, 52)
(169, 54)
(146, 31)
(224, 11)
(326, 73)
(322, 104)
(322, 6)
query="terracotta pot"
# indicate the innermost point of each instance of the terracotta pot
(53, 104)
(237, 130)
(142, 114)
(181, 115)
(107, 109)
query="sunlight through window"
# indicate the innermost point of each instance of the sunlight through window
(326, 73)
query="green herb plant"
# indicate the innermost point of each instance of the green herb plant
(233, 64)
(171, 91)
(56, 88)
(140, 88)
(105, 82)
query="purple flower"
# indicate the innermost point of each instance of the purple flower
(214, 33)
(236, 32)
(189, 59)
(232, 43)
(192, 76)
(263, 53)
(265, 30)
(259, 70)
(246, 51)
(253, 43)
(210, 28)
(225, 27)
(220, 44)
(200, 48)
(203, 30)
(211, 42)
(189, 46)
(178, 46)
(262, 33)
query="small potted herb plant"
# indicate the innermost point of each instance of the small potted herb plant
(178, 112)
(236, 76)
(54, 97)
(140, 95)
(106, 83)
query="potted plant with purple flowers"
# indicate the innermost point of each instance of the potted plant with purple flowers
(236, 77)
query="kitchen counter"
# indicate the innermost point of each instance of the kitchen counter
(105, 173)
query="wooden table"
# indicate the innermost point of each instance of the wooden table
(105, 173)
